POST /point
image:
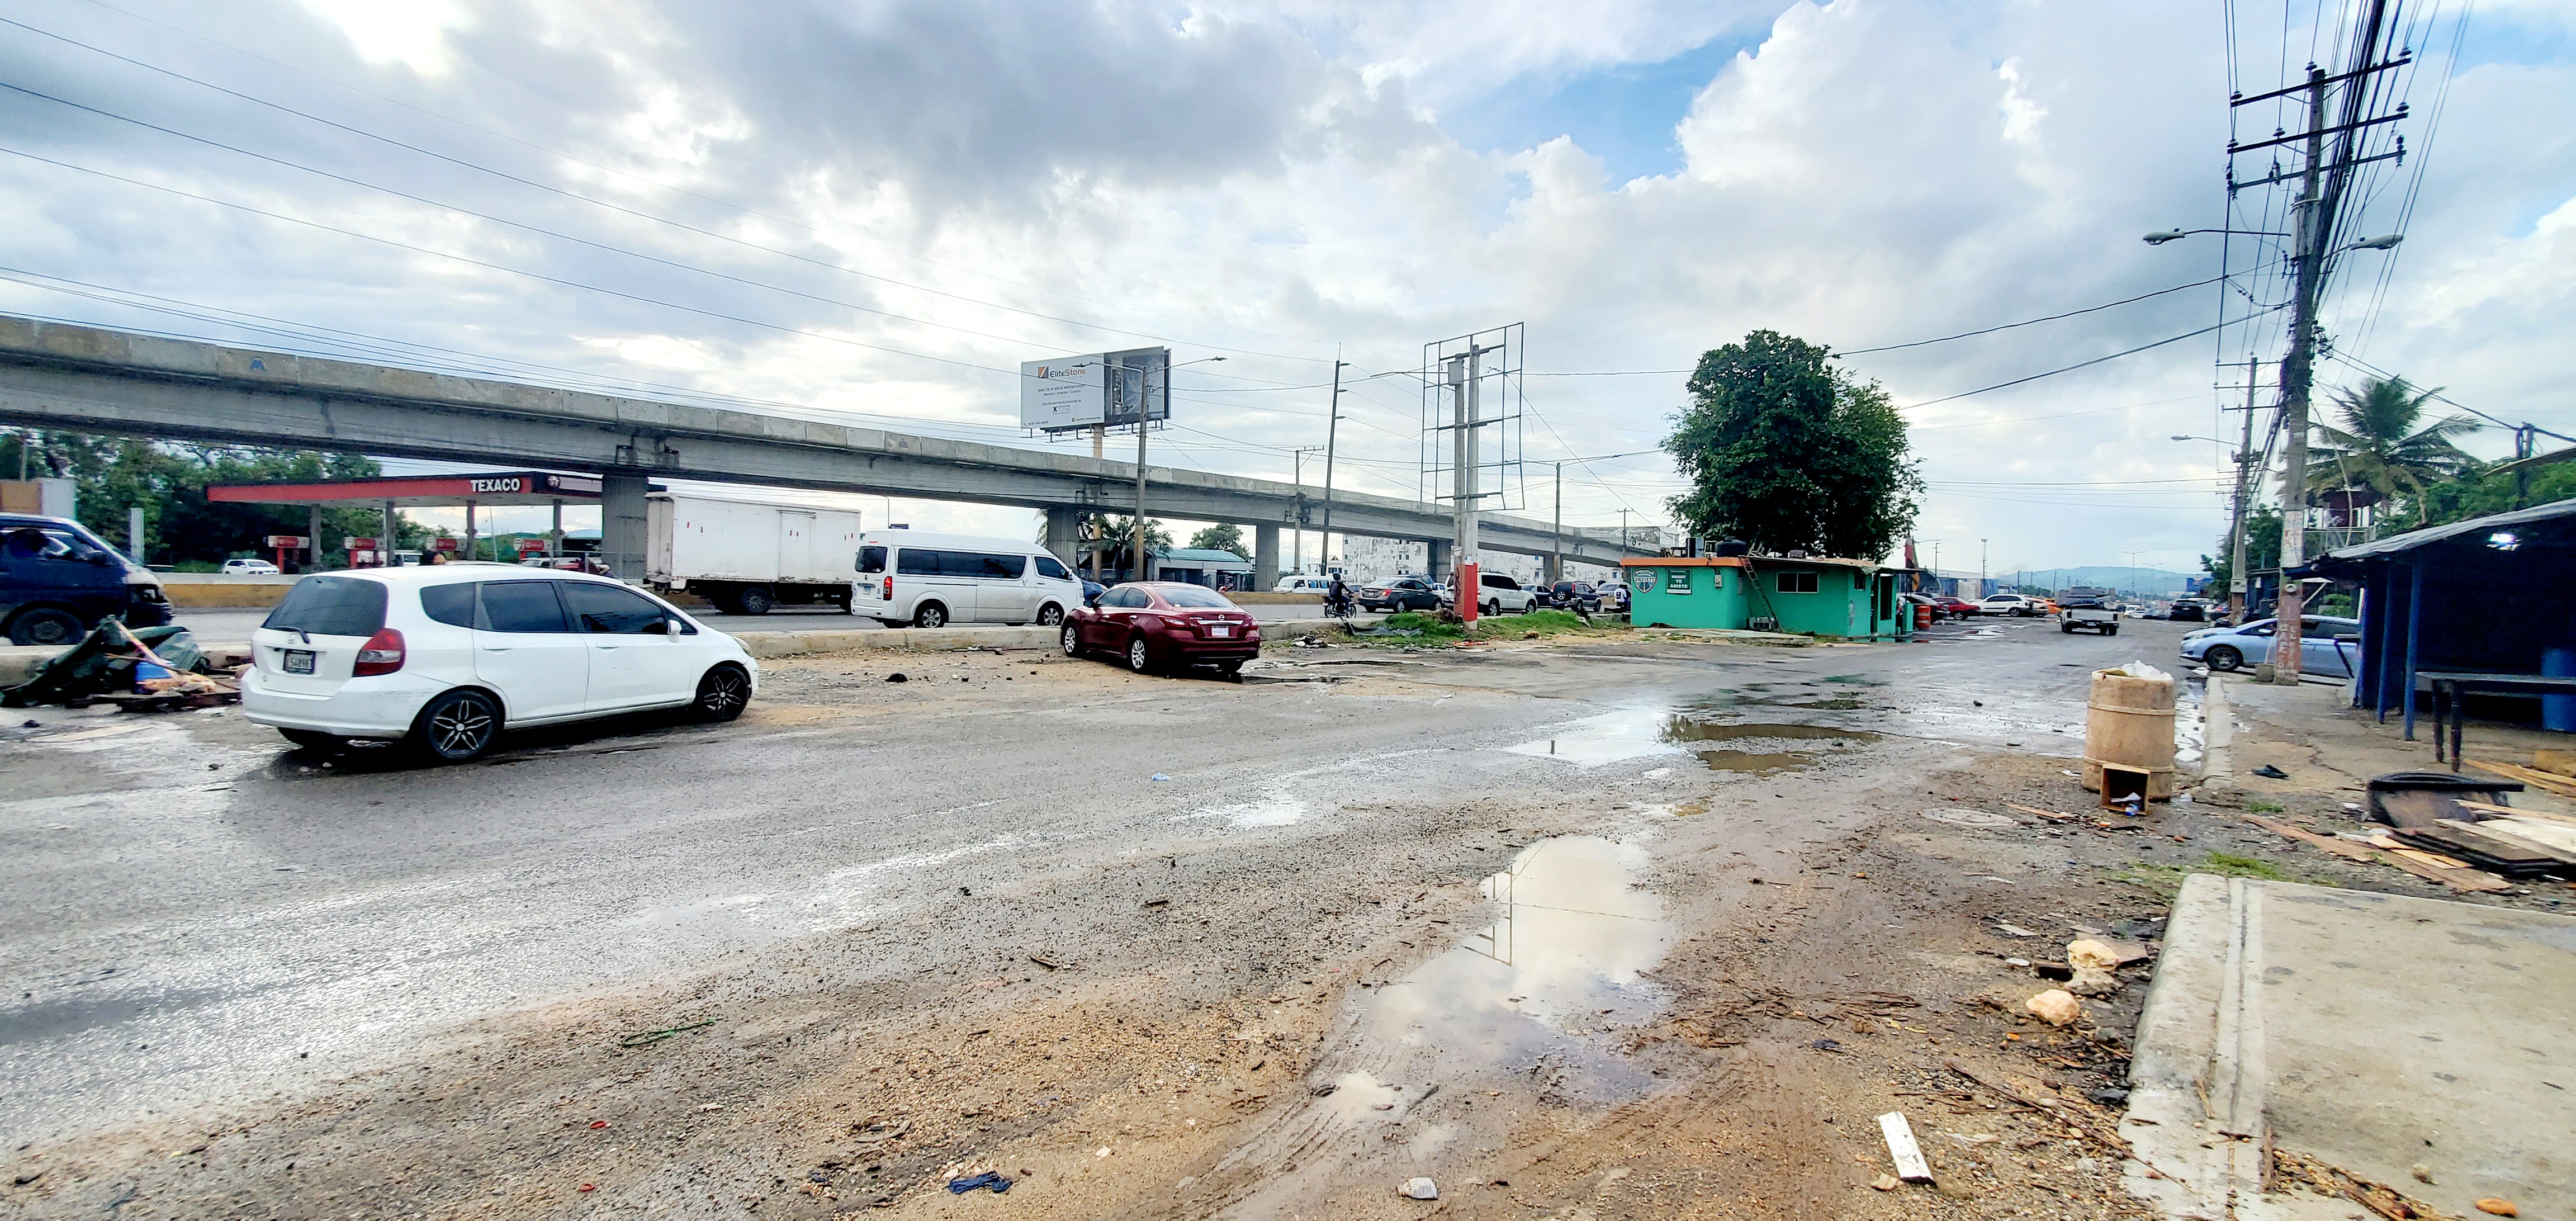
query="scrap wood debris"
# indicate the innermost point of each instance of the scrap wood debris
(2454, 874)
(2334, 1181)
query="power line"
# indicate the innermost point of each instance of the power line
(2090, 309)
(2073, 367)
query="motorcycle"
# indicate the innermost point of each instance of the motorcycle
(1339, 606)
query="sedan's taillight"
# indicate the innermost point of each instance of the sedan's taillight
(381, 654)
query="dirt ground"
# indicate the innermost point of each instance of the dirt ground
(1223, 1033)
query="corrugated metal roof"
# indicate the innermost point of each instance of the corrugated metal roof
(1206, 554)
(2429, 535)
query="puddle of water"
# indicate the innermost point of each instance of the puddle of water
(1276, 808)
(1754, 761)
(1637, 732)
(1547, 982)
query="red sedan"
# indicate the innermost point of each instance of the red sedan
(1165, 623)
(1959, 608)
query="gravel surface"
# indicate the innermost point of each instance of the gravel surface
(1612, 927)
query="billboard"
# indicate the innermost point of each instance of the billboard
(1104, 388)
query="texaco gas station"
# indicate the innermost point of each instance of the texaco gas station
(388, 493)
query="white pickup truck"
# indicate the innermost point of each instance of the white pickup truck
(2087, 608)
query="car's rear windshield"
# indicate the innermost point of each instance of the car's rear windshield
(1188, 596)
(331, 606)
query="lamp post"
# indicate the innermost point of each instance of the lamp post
(2311, 252)
(1144, 421)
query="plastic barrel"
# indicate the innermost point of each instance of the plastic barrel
(2130, 722)
(2558, 712)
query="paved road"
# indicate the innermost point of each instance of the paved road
(237, 624)
(191, 914)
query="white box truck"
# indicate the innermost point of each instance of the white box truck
(748, 556)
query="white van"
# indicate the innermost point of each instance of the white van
(926, 579)
(1302, 585)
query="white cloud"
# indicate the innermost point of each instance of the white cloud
(1276, 181)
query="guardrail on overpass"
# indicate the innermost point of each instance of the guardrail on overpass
(56, 375)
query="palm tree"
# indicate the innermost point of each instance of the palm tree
(2380, 448)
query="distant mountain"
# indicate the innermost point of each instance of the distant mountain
(2148, 581)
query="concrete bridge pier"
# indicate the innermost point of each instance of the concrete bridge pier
(1063, 533)
(1265, 557)
(621, 524)
(1444, 559)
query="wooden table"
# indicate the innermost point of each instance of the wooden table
(2448, 685)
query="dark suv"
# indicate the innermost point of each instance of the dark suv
(57, 580)
(1575, 595)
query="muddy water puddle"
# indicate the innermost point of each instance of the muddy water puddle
(1639, 732)
(1543, 989)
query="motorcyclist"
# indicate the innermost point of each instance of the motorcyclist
(1337, 599)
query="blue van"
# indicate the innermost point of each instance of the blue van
(57, 580)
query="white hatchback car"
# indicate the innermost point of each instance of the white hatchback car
(445, 657)
(243, 567)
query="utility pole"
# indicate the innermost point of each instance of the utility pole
(2298, 372)
(1332, 430)
(1297, 528)
(1144, 420)
(1466, 385)
(1556, 559)
(2236, 530)
(1982, 591)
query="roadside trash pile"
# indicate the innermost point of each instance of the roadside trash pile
(2459, 830)
(158, 669)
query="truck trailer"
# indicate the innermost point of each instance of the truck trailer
(748, 556)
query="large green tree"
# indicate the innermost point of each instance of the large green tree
(168, 481)
(1224, 536)
(1787, 452)
(2262, 549)
(2383, 444)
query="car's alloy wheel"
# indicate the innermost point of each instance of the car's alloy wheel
(722, 694)
(1050, 615)
(45, 627)
(1139, 658)
(457, 726)
(1072, 641)
(2223, 657)
(1493, 606)
(930, 614)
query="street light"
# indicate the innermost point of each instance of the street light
(1144, 413)
(2176, 235)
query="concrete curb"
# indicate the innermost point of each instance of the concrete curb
(2195, 1121)
(896, 640)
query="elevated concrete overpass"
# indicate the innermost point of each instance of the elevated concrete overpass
(54, 375)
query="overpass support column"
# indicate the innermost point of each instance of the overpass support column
(1063, 534)
(621, 524)
(1444, 559)
(1265, 558)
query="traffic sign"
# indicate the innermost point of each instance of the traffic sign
(297, 541)
(357, 542)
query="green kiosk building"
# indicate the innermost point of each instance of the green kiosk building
(1831, 598)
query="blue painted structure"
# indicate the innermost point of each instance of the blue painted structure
(2494, 595)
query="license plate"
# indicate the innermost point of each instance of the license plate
(299, 661)
(1221, 629)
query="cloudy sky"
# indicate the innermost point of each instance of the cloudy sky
(878, 209)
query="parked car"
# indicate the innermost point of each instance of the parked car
(1399, 594)
(2016, 605)
(57, 580)
(1959, 608)
(1581, 596)
(444, 658)
(249, 567)
(1613, 595)
(2189, 610)
(1926, 601)
(1307, 584)
(566, 563)
(1502, 595)
(1155, 624)
(2320, 653)
(922, 579)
